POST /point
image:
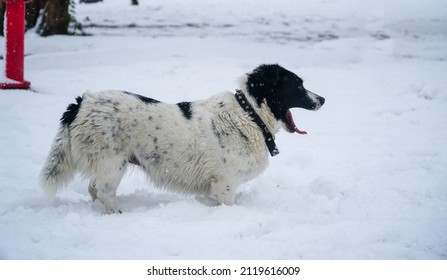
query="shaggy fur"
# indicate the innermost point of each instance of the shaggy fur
(206, 147)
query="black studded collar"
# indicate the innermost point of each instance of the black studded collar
(268, 137)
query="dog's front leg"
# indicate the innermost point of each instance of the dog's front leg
(222, 192)
(92, 190)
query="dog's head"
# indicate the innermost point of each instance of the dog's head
(281, 90)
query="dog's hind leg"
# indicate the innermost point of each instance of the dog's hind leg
(104, 186)
(106, 193)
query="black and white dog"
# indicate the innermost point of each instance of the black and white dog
(206, 147)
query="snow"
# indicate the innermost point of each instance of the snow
(367, 182)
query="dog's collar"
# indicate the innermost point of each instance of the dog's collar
(268, 137)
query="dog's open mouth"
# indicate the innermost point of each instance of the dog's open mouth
(289, 124)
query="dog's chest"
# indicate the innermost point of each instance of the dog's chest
(248, 166)
(241, 154)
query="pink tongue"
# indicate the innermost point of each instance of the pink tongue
(294, 125)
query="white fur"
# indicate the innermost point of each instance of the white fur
(210, 154)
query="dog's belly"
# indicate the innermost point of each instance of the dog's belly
(194, 170)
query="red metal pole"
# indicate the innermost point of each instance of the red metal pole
(15, 45)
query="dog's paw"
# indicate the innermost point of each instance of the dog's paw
(112, 211)
(208, 201)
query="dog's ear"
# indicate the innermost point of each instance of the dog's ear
(264, 81)
(271, 74)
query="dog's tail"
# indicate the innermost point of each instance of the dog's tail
(59, 167)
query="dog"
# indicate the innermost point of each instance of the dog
(206, 148)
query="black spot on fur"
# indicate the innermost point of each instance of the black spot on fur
(215, 131)
(154, 157)
(145, 99)
(185, 107)
(218, 134)
(72, 111)
(103, 102)
(243, 136)
(123, 165)
(134, 123)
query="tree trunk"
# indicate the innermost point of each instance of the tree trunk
(55, 18)
(31, 15)
(2, 18)
(32, 12)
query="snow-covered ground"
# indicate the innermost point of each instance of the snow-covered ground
(369, 181)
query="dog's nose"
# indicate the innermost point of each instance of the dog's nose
(321, 100)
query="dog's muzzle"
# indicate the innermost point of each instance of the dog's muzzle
(317, 100)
